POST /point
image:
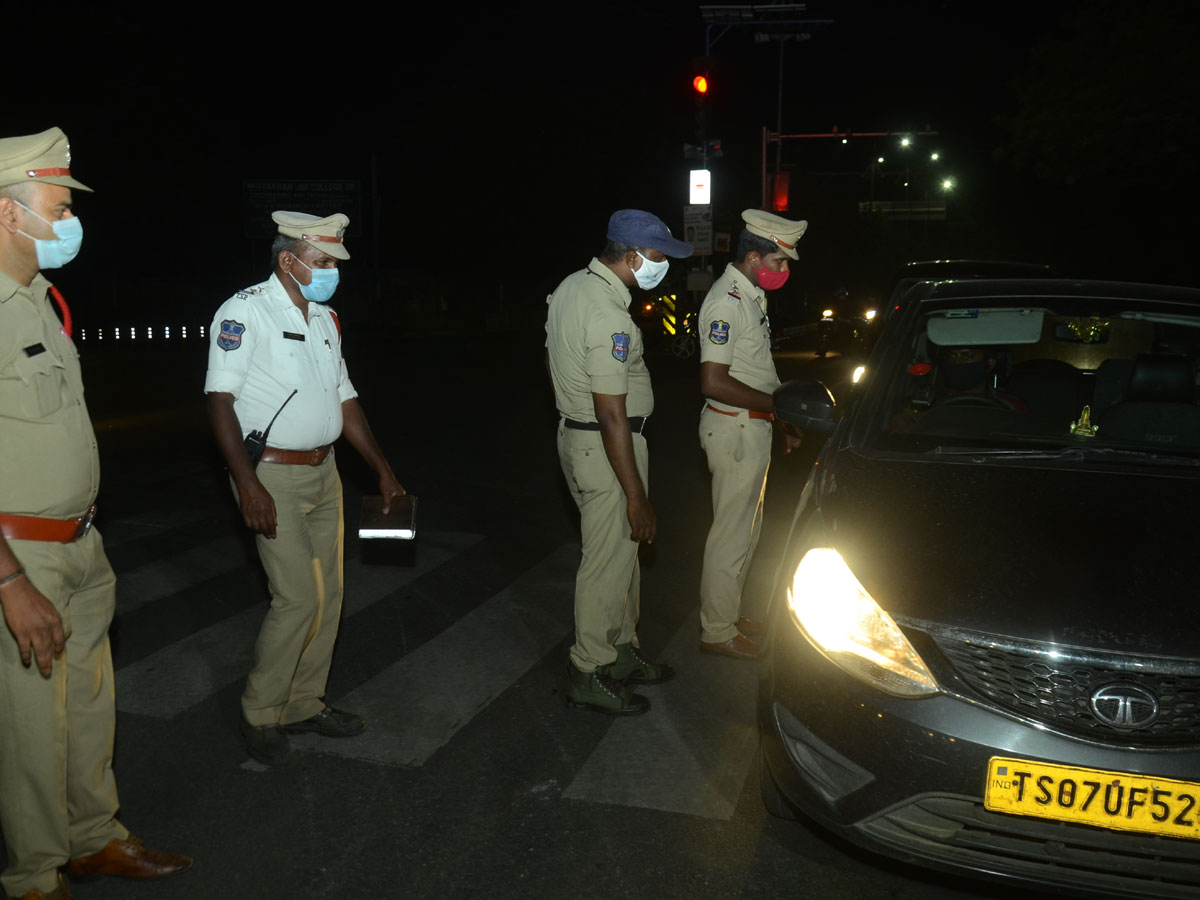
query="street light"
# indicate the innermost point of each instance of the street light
(947, 184)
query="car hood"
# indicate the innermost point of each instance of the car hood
(1070, 555)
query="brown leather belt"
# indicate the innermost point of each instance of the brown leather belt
(752, 413)
(37, 528)
(296, 457)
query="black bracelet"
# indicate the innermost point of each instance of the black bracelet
(13, 577)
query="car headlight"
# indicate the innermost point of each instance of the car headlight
(843, 621)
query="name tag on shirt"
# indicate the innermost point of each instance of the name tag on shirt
(292, 336)
(34, 349)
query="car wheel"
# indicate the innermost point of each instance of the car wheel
(773, 799)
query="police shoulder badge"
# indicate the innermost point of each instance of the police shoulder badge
(718, 332)
(230, 337)
(621, 346)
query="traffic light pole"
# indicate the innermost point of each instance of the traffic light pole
(771, 22)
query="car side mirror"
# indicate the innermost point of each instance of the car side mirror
(806, 404)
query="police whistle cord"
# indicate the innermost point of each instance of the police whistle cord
(63, 308)
(256, 441)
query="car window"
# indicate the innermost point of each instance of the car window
(1051, 372)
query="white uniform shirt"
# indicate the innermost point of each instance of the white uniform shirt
(735, 332)
(260, 349)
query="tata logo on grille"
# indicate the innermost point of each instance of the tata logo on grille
(1124, 706)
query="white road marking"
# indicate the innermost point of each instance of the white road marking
(184, 673)
(692, 751)
(161, 578)
(416, 706)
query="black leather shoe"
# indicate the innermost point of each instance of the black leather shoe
(266, 743)
(329, 722)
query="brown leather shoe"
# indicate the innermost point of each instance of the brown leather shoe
(59, 893)
(739, 647)
(750, 628)
(128, 859)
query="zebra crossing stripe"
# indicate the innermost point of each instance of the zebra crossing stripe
(184, 673)
(692, 751)
(161, 578)
(415, 706)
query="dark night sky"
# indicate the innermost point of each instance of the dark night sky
(492, 146)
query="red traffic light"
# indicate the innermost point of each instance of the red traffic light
(700, 83)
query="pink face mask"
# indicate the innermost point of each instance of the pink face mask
(771, 281)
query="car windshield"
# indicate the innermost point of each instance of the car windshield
(1042, 375)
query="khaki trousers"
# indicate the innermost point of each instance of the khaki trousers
(58, 795)
(739, 453)
(608, 584)
(304, 571)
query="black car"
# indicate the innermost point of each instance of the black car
(983, 651)
(943, 269)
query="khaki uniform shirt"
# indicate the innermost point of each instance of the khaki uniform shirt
(260, 349)
(47, 445)
(735, 332)
(594, 346)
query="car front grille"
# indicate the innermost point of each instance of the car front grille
(960, 831)
(1055, 686)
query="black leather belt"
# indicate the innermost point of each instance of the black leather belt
(637, 424)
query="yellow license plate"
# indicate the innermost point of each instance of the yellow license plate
(1116, 800)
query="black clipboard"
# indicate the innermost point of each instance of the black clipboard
(400, 523)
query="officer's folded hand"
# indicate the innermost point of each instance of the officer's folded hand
(390, 489)
(258, 510)
(642, 522)
(35, 624)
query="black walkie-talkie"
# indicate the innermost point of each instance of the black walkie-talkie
(256, 441)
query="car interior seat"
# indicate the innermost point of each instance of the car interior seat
(1053, 389)
(1159, 405)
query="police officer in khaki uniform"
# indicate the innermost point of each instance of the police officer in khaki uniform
(57, 590)
(603, 395)
(737, 378)
(269, 343)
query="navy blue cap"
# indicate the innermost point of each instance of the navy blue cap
(639, 228)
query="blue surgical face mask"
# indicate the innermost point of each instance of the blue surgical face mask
(56, 253)
(324, 283)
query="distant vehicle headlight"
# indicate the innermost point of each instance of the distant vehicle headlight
(827, 314)
(859, 372)
(842, 620)
(870, 314)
